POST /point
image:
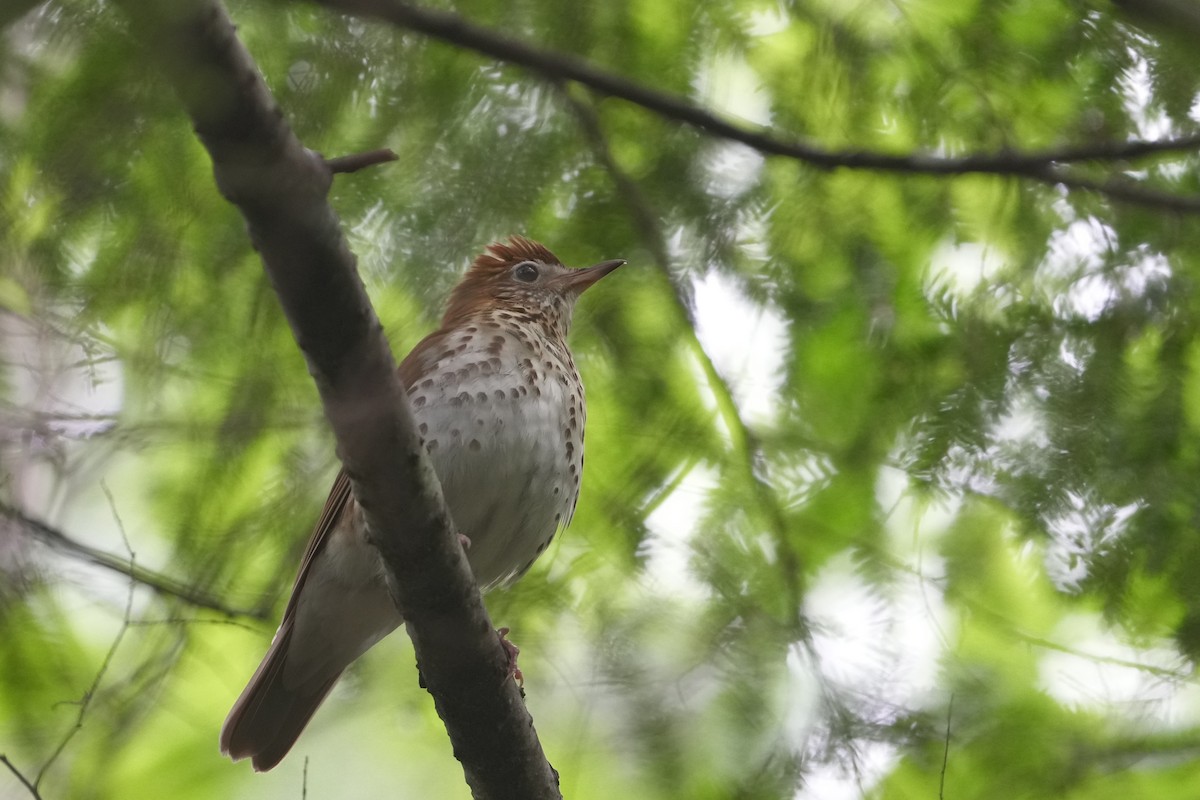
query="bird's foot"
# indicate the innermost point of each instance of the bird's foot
(512, 651)
(465, 541)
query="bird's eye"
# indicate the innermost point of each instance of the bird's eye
(526, 272)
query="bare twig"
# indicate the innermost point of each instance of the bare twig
(357, 161)
(146, 577)
(33, 791)
(1114, 188)
(1130, 150)
(645, 219)
(946, 750)
(85, 701)
(1176, 675)
(557, 67)
(112, 504)
(1011, 628)
(187, 621)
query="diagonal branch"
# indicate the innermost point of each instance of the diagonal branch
(557, 67)
(280, 188)
(744, 443)
(156, 581)
(20, 776)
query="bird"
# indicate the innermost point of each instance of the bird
(500, 410)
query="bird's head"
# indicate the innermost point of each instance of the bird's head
(525, 279)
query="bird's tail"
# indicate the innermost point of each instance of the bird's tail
(270, 715)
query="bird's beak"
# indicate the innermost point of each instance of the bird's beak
(580, 279)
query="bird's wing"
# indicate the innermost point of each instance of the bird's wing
(269, 715)
(340, 495)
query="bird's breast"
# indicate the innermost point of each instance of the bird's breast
(502, 418)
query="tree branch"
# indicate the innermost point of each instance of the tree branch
(1115, 188)
(156, 581)
(353, 163)
(280, 187)
(743, 443)
(33, 791)
(556, 67)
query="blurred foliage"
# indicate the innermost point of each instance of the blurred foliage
(893, 482)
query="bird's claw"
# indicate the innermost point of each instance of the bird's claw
(512, 651)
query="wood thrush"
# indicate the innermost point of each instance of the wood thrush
(500, 409)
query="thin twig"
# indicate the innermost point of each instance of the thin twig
(1177, 675)
(112, 504)
(1114, 188)
(557, 67)
(184, 621)
(146, 577)
(946, 750)
(1010, 627)
(357, 161)
(85, 702)
(21, 777)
